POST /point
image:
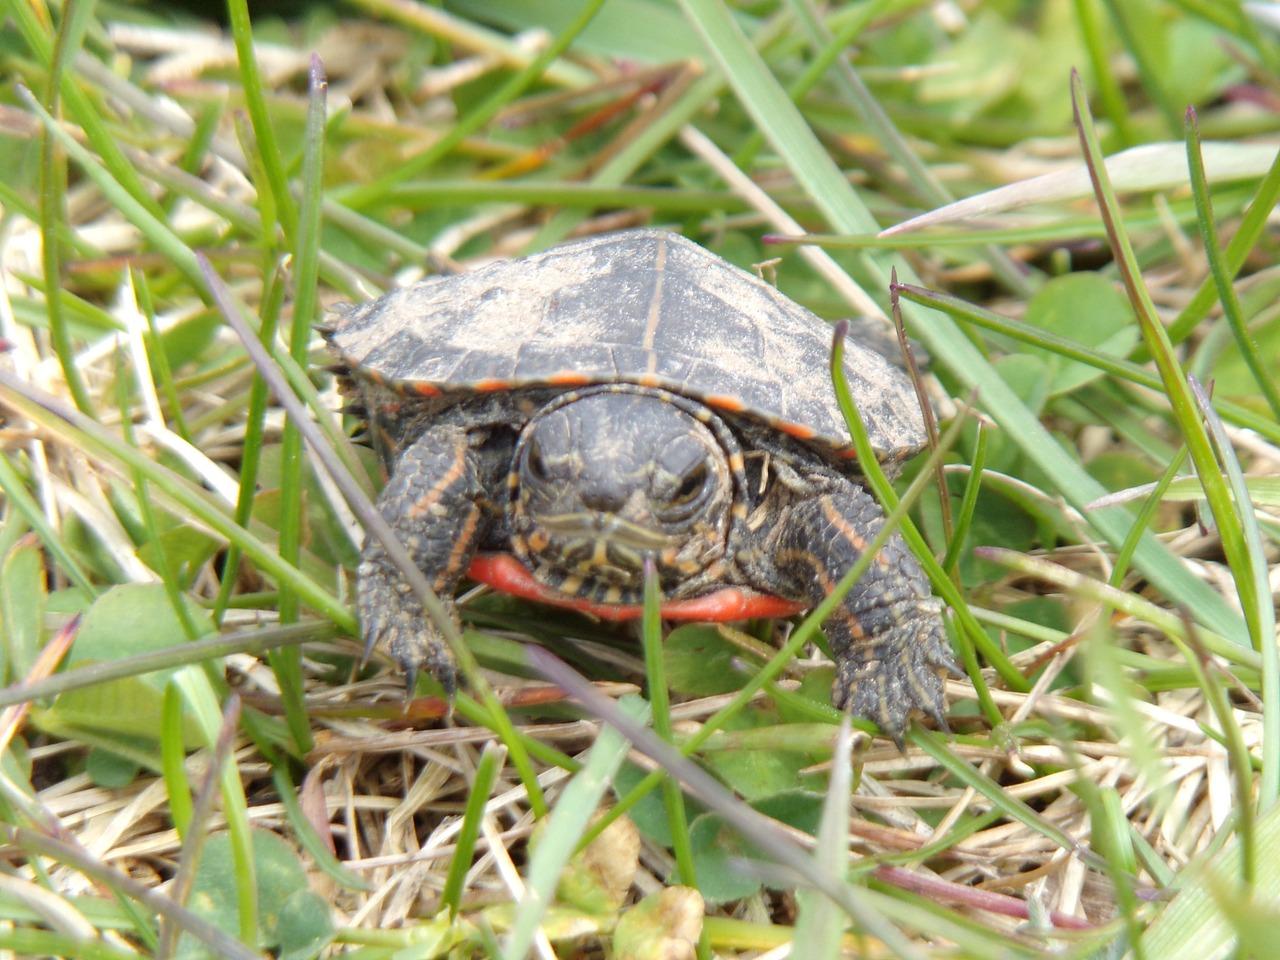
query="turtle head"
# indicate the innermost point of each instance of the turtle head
(603, 478)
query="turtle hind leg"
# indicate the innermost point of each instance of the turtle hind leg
(432, 503)
(887, 635)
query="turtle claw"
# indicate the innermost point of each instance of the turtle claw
(392, 619)
(420, 647)
(935, 713)
(410, 681)
(943, 658)
(895, 675)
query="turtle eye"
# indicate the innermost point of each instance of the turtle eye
(691, 484)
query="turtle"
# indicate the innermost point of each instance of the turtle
(554, 423)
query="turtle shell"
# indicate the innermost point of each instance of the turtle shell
(641, 306)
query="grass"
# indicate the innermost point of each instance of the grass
(197, 760)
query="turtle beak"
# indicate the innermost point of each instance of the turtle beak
(609, 527)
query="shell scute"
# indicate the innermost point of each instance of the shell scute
(642, 306)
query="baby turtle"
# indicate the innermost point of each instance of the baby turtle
(634, 396)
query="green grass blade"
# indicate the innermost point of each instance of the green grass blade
(1175, 385)
(1120, 566)
(152, 225)
(774, 113)
(1195, 924)
(20, 499)
(922, 180)
(1252, 226)
(1122, 600)
(173, 757)
(53, 189)
(1264, 614)
(264, 131)
(1109, 92)
(478, 116)
(819, 925)
(253, 641)
(660, 703)
(968, 502)
(36, 33)
(287, 662)
(970, 776)
(254, 431)
(1118, 367)
(1265, 379)
(1139, 44)
(491, 760)
(572, 814)
(88, 436)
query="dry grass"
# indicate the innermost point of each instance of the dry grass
(1135, 747)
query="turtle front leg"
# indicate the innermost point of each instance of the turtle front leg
(887, 636)
(432, 502)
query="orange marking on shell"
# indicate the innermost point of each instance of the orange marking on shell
(505, 573)
(569, 378)
(725, 402)
(648, 380)
(491, 386)
(797, 430)
(424, 389)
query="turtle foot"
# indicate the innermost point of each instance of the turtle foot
(393, 620)
(895, 674)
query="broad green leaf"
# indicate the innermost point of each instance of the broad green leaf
(1204, 64)
(185, 550)
(110, 770)
(756, 774)
(1231, 375)
(717, 854)
(126, 620)
(981, 67)
(996, 522)
(294, 920)
(801, 809)
(1029, 377)
(700, 662)
(1087, 308)
(649, 814)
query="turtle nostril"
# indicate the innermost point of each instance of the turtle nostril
(602, 499)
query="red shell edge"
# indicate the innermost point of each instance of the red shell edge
(504, 573)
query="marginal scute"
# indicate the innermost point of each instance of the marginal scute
(643, 306)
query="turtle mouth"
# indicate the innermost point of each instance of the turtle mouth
(625, 536)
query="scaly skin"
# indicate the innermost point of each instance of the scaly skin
(812, 525)
(432, 504)
(886, 636)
